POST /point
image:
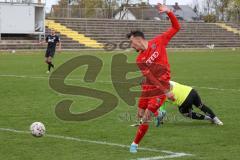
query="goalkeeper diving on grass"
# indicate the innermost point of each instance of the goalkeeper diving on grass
(185, 97)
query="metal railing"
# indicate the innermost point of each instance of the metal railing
(81, 13)
(130, 13)
(133, 13)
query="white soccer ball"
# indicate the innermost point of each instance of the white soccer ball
(37, 129)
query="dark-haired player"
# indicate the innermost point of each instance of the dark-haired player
(52, 40)
(153, 63)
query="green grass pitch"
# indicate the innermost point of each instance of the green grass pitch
(25, 97)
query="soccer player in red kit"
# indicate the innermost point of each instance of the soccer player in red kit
(153, 63)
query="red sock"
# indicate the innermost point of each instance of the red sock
(142, 129)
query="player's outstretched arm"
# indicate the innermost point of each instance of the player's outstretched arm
(162, 8)
(175, 25)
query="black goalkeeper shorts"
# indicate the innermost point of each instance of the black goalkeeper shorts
(192, 99)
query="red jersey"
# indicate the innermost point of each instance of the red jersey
(153, 62)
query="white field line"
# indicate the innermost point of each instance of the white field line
(175, 155)
(98, 81)
(219, 89)
(170, 153)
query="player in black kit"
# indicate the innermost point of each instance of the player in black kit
(52, 40)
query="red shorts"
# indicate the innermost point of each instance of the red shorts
(152, 104)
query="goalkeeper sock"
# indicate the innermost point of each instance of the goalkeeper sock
(207, 118)
(207, 111)
(197, 116)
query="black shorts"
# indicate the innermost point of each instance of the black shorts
(192, 99)
(50, 53)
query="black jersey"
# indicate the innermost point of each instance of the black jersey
(52, 41)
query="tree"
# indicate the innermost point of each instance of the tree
(209, 15)
(84, 8)
(122, 9)
(109, 7)
(223, 4)
(222, 9)
(91, 7)
(234, 11)
(208, 6)
(195, 9)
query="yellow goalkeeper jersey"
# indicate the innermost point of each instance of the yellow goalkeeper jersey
(180, 92)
